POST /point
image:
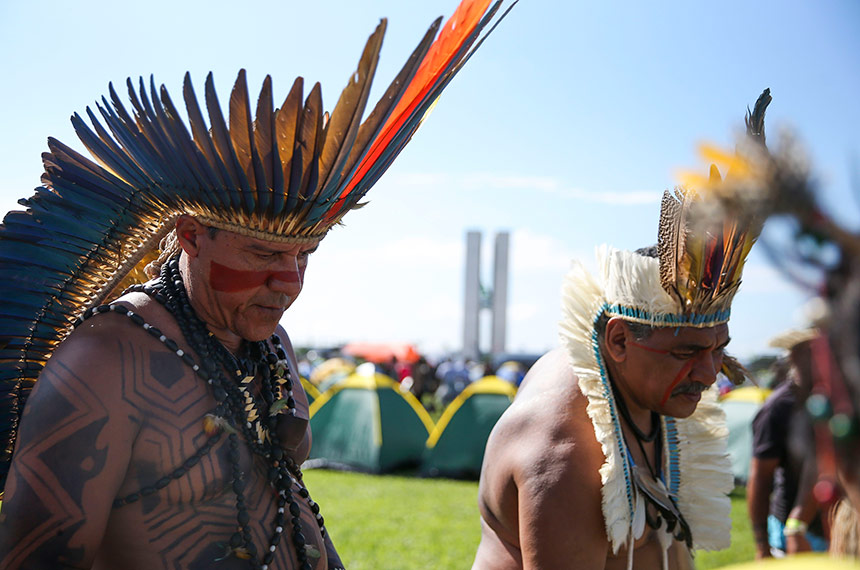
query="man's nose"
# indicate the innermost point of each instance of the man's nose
(287, 278)
(707, 366)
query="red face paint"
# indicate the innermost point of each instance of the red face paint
(681, 375)
(228, 280)
(650, 349)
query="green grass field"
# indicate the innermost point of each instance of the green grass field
(408, 523)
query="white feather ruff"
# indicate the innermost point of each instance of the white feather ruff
(582, 302)
(633, 280)
(705, 470)
(706, 474)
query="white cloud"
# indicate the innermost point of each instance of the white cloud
(486, 181)
(394, 253)
(538, 252)
(631, 198)
(482, 181)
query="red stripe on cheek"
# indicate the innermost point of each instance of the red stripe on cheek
(285, 276)
(228, 280)
(684, 371)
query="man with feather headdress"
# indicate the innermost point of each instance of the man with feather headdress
(613, 453)
(167, 429)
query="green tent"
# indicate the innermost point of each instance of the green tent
(367, 423)
(310, 390)
(456, 445)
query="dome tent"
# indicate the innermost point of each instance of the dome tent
(367, 423)
(456, 445)
(312, 392)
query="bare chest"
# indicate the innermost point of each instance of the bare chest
(186, 492)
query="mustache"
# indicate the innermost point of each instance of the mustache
(691, 388)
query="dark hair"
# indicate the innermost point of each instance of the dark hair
(650, 251)
(638, 330)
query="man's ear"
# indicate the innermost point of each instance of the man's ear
(189, 232)
(615, 339)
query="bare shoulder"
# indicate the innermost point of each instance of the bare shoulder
(546, 410)
(73, 448)
(550, 410)
(542, 463)
(535, 430)
(93, 351)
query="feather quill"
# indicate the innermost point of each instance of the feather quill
(455, 32)
(307, 136)
(287, 123)
(201, 136)
(346, 117)
(755, 119)
(265, 148)
(242, 136)
(223, 145)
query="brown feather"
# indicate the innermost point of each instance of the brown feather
(665, 241)
(309, 134)
(389, 99)
(240, 126)
(263, 135)
(287, 121)
(734, 370)
(346, 117)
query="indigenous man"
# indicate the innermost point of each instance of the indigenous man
(613, 453)
(167, 430)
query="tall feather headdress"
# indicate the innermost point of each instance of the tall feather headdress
(282, 174)
(702, 246)
(701, 250)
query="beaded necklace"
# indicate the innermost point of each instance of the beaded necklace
(236, 411)
(652, 488)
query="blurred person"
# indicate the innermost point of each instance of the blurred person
(512, 371)
(453, 379)
(823, 257)
(784, 514)
(423, 379)
(724, 385)
(167, 428)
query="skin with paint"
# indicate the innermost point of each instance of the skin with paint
(540, 489)
(667, 372)
(245, 284)
(114, 411)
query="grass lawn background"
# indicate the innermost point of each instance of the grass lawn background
(408, 523)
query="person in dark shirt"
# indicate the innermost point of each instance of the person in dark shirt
(783, 512)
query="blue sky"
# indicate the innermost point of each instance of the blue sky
(564, 130)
